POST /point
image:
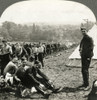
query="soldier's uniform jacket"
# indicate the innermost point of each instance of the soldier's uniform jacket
(6, 49)
(86, 47)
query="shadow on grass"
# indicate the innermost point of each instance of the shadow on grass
(75, 89)
(9, 92)
(70, 89)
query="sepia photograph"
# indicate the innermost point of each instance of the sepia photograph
(48, 50)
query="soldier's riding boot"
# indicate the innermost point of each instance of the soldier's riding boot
(44, 93)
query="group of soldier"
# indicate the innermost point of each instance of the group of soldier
(21, 65)
(39, 50)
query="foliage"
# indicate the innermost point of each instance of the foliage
(40, 32)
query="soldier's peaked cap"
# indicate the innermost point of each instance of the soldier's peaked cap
(83, 28)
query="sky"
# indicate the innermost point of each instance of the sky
(47, 11)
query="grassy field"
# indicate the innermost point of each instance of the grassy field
(69, 78)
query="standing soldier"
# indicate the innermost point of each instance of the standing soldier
(44, 51)
(34, 49)
(86, 53)
(40, 54)
(6, 51)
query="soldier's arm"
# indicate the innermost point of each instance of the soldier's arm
(91, 44)
(80, 47)
(42, 74)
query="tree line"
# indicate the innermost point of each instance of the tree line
(40, 32)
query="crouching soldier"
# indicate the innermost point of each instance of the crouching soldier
(28, 76)
(34, 69)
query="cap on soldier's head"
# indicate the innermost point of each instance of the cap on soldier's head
(83, 28)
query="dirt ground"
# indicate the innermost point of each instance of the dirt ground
(69, 78)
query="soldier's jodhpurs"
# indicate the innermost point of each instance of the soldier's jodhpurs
(85, 72)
